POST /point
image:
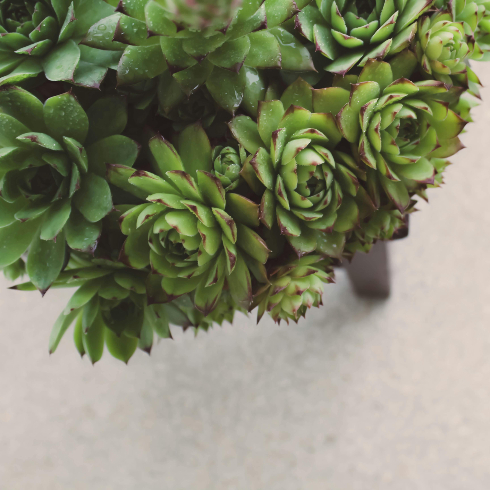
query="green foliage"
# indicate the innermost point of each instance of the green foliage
(175, 162)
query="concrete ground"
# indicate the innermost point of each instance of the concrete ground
(363, 395)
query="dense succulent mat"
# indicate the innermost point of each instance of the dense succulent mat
(176, 161)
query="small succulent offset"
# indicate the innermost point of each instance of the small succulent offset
(179, 161)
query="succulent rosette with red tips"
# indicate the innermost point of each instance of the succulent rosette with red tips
(178, 161)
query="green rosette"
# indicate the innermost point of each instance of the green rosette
(308, 190)
(293, 288)
(43, 36)
(195, 234)
(350, 32)
(397, 127)
(230, 56)
(52, 163)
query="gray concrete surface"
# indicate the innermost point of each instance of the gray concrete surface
(363, 395)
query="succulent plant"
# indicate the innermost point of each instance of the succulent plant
(53, 188)
(442, 47)
(193, 232)
(42, 36)
(200, 14)
(397, 126)
(294, 287)
(350, 32)
(306, 187)
(229, 55)
(381, 225)
(475, 18)
(227, 164)
(217, 167)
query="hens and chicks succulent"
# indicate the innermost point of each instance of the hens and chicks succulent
(176, 161)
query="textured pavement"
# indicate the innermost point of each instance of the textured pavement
(363, 395)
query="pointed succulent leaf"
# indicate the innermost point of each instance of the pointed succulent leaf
(45, 261)
(64, 116)
(93, 199)
(245, 131)
(59, 328)
(195, 149)
(211, 189)
(227, 224)
(62, 61)
(15, 239)
(140, 63)
(121, 347)
(93, 340)
(242, 210)
(107, 116)
(55, 219)
(240, 285)
(82, 235)
(165, 155)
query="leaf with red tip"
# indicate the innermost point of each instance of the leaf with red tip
(227, 224)
(240, 284)
(211, 189)
(242, 210)
(194, 149)
(252, 243)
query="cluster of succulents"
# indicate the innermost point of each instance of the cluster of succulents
(176, 161)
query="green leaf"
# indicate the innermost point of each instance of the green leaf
(265, 50)
(396, 191)
(77, 336)
(270, 114)
(107, 116)
(89, 75)
(330, 99)
(15, 239)
(23, 106)
(10, 129)
(252, 243)
(135, 252)
(93, 340)
(55, 219)
(194, 149)
(211, 189)
(116, 149)
(77, 153)
(8, 211)
(240, 284)
(245, 130)
(64, 116)
(232, 54)
(83, 295)
(82, 235)
(27, 69)
(140, 63)
(298, 93)
(62, 61)
(93, 199)
(165, 156)
(121, 347)
(59, 328)
(330, 244)
(294, 56)
(157, 317)
(119, 176)
(206, 297)
(45, 261)
(90, 312)
(348, 215)
(40, 140)
(242, 210)
(231, 98)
